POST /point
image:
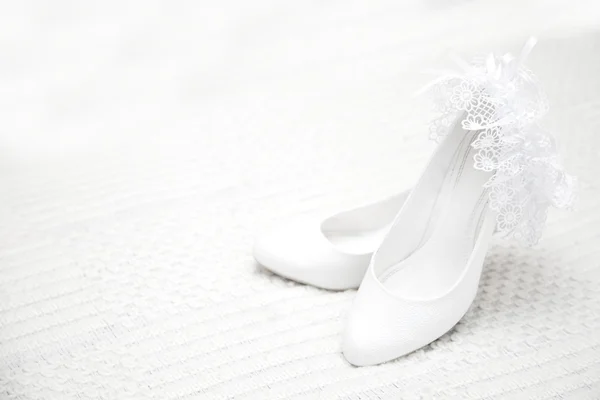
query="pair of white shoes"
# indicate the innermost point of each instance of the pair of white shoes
(418, 256)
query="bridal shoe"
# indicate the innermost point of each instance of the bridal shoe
(495, 169)
(332, 252)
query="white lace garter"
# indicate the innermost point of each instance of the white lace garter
(503, 101)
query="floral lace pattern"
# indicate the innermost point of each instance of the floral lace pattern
(502, 100)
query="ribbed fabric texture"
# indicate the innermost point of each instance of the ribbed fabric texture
(141, 161)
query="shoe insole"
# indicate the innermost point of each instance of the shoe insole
(362, 230)
(359, 241)
(436, 265)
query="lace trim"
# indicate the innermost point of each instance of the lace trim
(503, 101)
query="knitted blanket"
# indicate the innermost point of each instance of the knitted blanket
(142, 144)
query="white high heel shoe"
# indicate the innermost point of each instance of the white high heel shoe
(494, 168)
(330, 253)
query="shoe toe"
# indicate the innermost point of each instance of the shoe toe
(359, 346)
(297, 250)
(379, 328)
(382, 326)
(281, 249)
(369, 340)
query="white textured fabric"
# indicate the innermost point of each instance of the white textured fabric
(143, 145)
